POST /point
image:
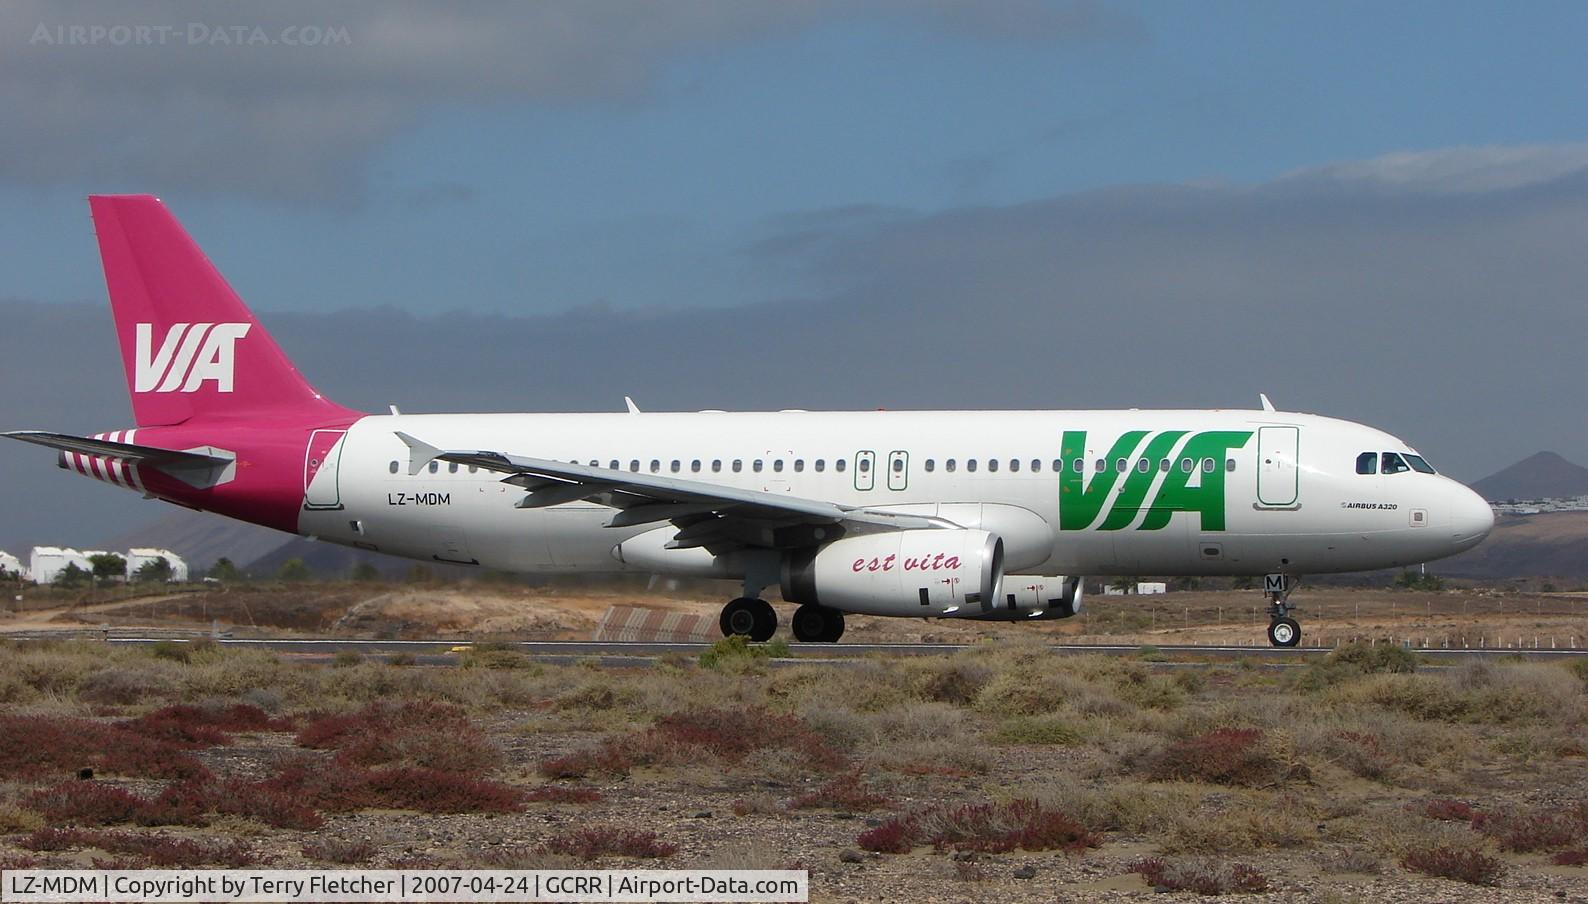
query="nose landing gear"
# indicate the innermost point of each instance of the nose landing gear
(1283, 631)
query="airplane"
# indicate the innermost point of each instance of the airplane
(987, 515)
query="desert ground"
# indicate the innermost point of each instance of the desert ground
(999, 773)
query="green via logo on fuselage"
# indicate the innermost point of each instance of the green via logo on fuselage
(1082, 501)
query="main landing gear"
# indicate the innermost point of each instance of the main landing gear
(818, 624)
(749, 617)
(1283, 631)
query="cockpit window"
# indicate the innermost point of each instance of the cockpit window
(1394, 464)
(1367, 463)
(1419, 465)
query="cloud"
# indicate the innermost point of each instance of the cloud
(1454, 319)
(289, 100)
(1452, 171)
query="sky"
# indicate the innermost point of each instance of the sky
(1373, 211)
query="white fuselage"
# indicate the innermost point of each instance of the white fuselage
(1194, 492)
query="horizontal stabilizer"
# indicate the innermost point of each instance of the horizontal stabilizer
(149, 455)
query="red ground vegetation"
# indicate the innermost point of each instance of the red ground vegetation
(992, 827)
(1465, 865)
(599, 841)
(38, 747)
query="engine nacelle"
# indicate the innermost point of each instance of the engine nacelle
(913, 572)
(1037, 598)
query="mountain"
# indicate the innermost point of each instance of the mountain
(201, 538)
(1540, 476)
(1552, 545)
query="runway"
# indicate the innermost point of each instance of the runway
(640, 653)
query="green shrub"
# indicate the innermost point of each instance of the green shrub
(1051, 730)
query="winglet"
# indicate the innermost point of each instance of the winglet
(1267, 405)
(420, 453)
(633, 408)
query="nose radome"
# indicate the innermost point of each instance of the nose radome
(1471, 518)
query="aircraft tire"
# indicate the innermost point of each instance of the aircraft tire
(741, 617)
(817, 624)
(1284, 632)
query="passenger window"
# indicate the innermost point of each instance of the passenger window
(865, 466)
(931, 466)
(1367, 463)
(1014, 464)
(1102, 466)
(393, 467)
(675, 466)
(716, 465)
(756, 466)
(992, 464)
(1036, 465)
(738, 465)
(1121, 466)
(452, 467)
(1163, 465)
(474, 469)
(777, 465)
(634, 464)
(612, 465)
(898, 466)
(694, 466)
(821, 465)
(840, 465)
(799, 465)
(435, 466)
(1419, 464)
(1392, 463)
(1143, 465)
(970, 464)
(949, 466)
(1207, 466)
(1186, 465)
(1229, 465)
(655, 466)
(594, 463)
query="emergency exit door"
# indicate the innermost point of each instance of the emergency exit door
(1278, 478)
(321, 463)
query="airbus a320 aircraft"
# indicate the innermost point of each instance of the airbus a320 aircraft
(992, 515)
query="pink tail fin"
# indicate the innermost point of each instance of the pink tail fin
(190, 347)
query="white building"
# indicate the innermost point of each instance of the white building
(1152, 588)
(139, 557)
(46, 562)
(10, 565)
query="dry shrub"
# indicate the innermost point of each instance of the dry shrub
(158, 849)
(37, 746)
(952, 680)
(599, 841)
(600, 695)
(1205, 877)
(1123, 806)
(728, 735)
(15, 819)
(1244, 827)
(339, 850)
(1225, 756)
(764, 804)
(1046, 730)
(1577, 857)
(1463, 864)
(992, 827)
(847, 792)
(120, 687)
(1521, 693)
(1362, 754)
(1354, 860)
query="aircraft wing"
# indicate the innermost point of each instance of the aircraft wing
(708, 514)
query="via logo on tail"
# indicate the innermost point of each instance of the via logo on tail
(190, 354)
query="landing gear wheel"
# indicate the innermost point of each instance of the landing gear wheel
(1284, 632)
(817, 624)
(751, 618)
